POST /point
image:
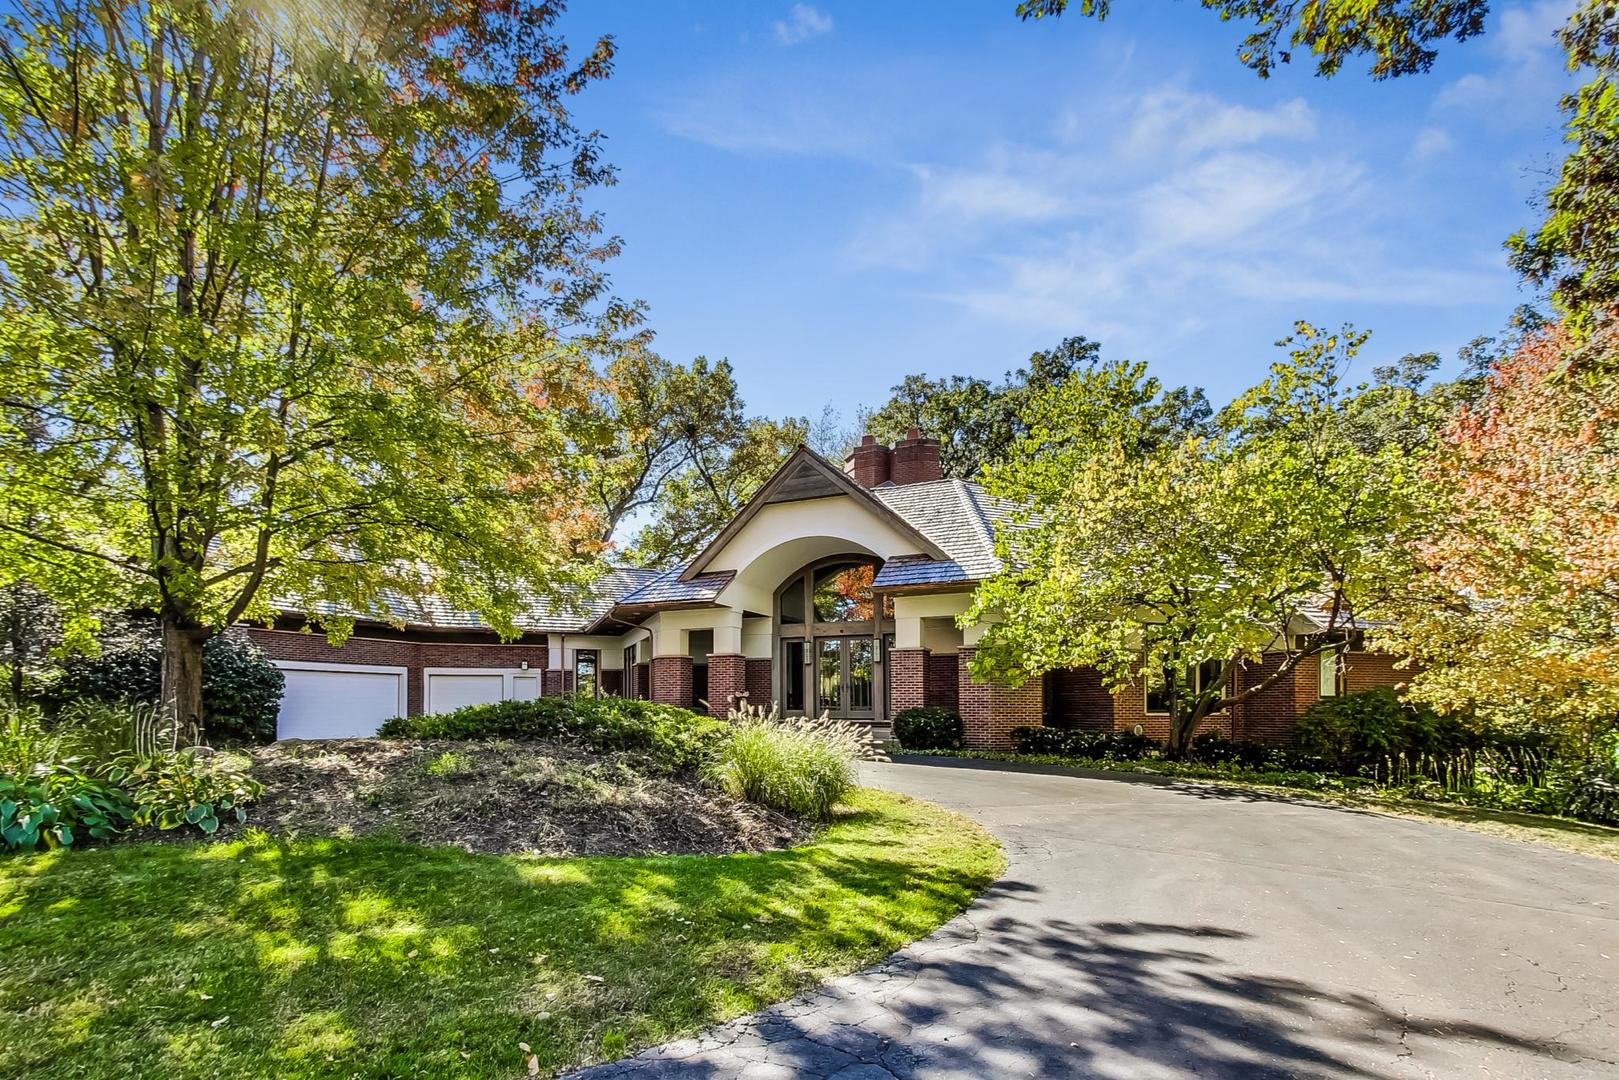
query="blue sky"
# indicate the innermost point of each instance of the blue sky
(835, 195)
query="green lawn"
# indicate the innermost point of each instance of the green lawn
(370, 958)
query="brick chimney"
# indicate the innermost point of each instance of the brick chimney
(915, 459)
(867, 464)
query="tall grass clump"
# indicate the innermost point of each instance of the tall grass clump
(789, 767)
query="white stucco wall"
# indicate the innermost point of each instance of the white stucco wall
(785, 536)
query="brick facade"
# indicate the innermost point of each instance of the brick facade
(759, 691)
(942, 681)
(907, 678)
(414, 656)
(727, 679)
(671, 681)
(989, 711)
(1076, 698)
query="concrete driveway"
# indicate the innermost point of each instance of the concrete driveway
(1174, 930)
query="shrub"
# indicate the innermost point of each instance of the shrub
(1590, 791)
(785, 767)
(1090, 745)
(928, 728)
(1213, 748)
(174, 788)
(241, 688)
(57, 807)
(675, 738)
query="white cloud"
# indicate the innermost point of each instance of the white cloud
(1000, 195)
(1468, 91)
(1526, 64)
(1432, 142)
(1232, 197)
(1174, 122)
(802, 23)
(1167, 211)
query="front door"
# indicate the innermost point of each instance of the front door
(845, 672)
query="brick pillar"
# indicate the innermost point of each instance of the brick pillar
(643, 682)
(671, 680)
(556, 683)
(907, 678)
(989, 711)
(727, 678)
(972, 702)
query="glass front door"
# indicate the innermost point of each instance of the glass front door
(845, 669)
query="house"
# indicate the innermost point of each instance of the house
(832, 589)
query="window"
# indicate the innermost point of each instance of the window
(792, 676)
(792, 602)
(631, 686)
(842, 592)
(586, 680)
(1193, 682)
(1332, 673)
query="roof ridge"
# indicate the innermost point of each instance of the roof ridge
(985, 533)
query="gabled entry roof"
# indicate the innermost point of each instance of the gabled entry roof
(807, 475)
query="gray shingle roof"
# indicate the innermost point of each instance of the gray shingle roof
(667, 588)
(956, 515)
(538, 615)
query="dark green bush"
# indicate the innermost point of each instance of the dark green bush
(1094, 745)
(1214, 748)
(676, 738)
(928, 728)
(1590, 791)
(241, 688)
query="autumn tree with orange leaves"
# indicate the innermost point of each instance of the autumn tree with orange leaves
(271, 277)
(1518, 609)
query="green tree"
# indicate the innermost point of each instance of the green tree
(1575, 250)
(269, 284)
(718, 478)
(1177, 557)
(1397, 34)
(976, 421)
(653, 421)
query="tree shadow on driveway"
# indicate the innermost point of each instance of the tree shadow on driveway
(1002, 997)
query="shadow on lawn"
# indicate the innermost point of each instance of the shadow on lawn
(1058, 998)
(373, 958)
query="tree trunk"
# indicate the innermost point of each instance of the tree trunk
(182, 678)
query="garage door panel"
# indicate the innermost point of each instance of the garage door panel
(337, 703)
(448, 691)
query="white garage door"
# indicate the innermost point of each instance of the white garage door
(338, 701)
(447, 690)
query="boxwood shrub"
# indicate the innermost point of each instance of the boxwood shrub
(1069, 742)
(928, 728)
(675, 738)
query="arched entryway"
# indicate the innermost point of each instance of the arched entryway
(829, 630)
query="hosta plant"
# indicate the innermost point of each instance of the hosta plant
(179, 788)
(58, 808)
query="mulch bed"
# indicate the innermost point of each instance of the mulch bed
(501, 796)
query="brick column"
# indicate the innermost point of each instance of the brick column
(671, 680)
(557, 682)
(908, 678)
(727, 678)
(989, 711)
